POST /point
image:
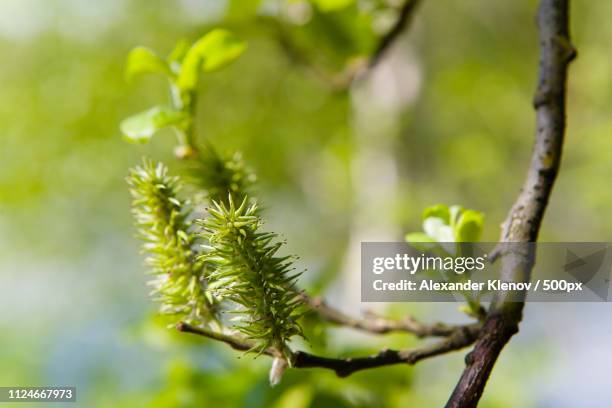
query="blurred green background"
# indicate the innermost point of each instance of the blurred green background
(445, 117)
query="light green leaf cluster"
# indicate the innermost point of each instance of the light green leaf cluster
(179, 282)
(247, 271)
(443, 228)
(213, 51)
(448, 224)
(182, 68)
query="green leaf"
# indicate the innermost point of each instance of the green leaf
(332, 5)
(211, 52)
(469, 226)
(142, 60)
(439, 211)
(142, 126)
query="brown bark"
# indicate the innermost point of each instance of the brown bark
(524, 219)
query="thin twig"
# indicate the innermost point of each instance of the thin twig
(524, 219)
(374, 323)
(405, 15)
(233, 341)
(460, 338)
(340, 81)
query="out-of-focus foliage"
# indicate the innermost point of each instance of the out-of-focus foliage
(449, 119)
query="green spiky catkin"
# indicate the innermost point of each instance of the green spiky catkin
(220, 175)
(161, 216)
(247, 271)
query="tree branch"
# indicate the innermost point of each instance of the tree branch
(340, 81)
(234, 342)
(376, 324)
(462, 337)
(343, 367)
(525, 217)
(405, 15)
